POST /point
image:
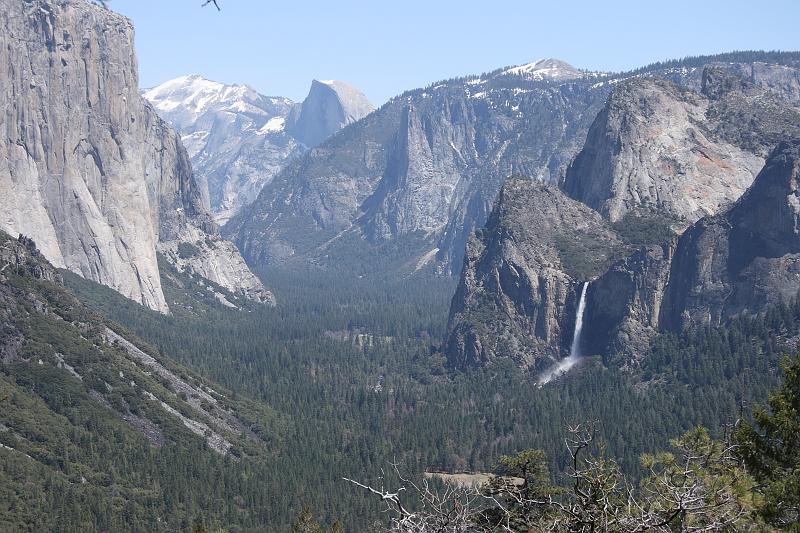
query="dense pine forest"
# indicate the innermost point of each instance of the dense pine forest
(353, 368)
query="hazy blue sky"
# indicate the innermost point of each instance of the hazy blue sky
(385, 47)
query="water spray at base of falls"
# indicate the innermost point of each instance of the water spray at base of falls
(563, 366)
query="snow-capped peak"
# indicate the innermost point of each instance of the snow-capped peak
(545, 69)
(194, 93)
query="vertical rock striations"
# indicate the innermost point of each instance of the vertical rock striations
(87, 169)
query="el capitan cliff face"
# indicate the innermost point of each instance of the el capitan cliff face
(87, 169)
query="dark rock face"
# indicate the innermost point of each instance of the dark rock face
(623, 308)
(87, 168)
(523, 274)
(22, 257)
(745, 259)
(432, 161)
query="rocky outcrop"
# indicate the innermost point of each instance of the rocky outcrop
(523, 274)
(216, 260)
(87, 169)
(329, 106)
(21, 257)
(235, 137)
(658, 148)
(781, 79)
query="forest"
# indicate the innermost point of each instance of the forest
(358, 383)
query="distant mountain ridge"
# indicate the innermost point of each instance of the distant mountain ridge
(427, 166)
(238, 139)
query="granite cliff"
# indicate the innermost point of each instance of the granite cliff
(87, 169)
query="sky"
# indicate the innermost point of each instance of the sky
(385, 47)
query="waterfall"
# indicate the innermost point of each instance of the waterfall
(575, 350)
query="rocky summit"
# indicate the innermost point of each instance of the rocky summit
(87, 168)
(329, 106)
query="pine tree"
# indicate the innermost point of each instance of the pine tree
(771, 450)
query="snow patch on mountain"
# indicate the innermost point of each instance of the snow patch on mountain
(545, 69)
(274, 124)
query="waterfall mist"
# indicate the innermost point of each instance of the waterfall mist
(575, 349)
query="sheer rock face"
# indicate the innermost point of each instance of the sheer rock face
(658, 148)
(329, 106)
(87, 169)
(745, 259)
(521, 279)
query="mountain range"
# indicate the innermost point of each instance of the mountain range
(662, 165)
(422, 172)
(238, 139)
